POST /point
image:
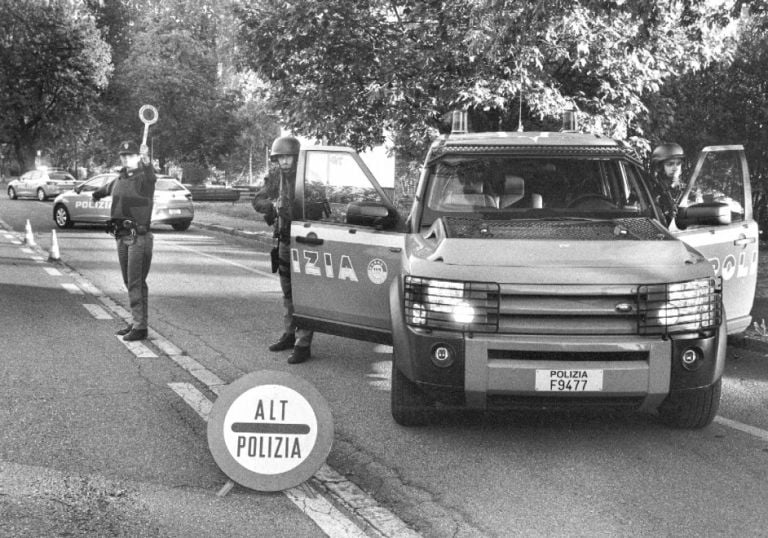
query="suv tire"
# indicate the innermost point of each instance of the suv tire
(691, 409)
(410, 405)
(41, 195)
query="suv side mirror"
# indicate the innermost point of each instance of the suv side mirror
(375, 214)
(706, 214)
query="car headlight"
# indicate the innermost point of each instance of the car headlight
(680, 307)
(451, 305)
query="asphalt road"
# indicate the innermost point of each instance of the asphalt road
(81, 412)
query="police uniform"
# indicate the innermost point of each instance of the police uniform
(280, 215)
(670, 194)
(132, 200)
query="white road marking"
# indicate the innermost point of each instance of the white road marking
(224, 260)
(382, 348)
(52, 271)
(97, 311)
(137, 348)
(194, 398)
(746, 428)
(72, 288)
(309, 501)
(38, 259)
(27, 250)
(15, 242)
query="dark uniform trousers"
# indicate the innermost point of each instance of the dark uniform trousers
(135, 258)
(303, 336)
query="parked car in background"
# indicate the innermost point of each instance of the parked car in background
(42, 184)
(172, 205)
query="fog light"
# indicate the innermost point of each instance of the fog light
(691, 359)
(442, 355)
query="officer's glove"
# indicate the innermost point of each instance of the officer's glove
(270, 215)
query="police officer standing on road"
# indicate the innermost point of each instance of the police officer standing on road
(667, 165)
(132, 198)
(285, 151)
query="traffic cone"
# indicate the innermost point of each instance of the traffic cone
(30, 237)
(54, 255)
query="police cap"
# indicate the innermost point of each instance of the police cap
(667, 151)
(285, 145)
(128, 147)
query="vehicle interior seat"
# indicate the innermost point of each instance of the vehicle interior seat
(514, 191)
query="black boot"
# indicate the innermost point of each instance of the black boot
(300, 354)
(286, 341)
(135, 334)
(124, 330)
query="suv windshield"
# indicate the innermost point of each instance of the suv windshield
(527, 187)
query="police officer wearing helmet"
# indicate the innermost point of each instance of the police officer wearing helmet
(132, 198)
(285, 152)
(667, 167)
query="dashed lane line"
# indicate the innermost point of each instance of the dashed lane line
(52, 271)
(97, 311)
(137, 348)
(72, 288)
(326, 516)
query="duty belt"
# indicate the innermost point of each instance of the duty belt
(125, 227)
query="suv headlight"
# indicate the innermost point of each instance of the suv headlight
(680, 307)
(451, 305)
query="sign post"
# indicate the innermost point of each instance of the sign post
(270, 430)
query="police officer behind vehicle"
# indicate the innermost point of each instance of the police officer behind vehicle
(667, 167)
(285, 151)
(132, 198)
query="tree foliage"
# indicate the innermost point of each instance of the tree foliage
(348, 70)
(53, 66)
(726, 103)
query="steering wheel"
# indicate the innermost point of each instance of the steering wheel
(599, 199)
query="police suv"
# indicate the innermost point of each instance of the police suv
(534, 270)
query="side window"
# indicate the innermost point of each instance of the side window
(720, 179)
(333, 180)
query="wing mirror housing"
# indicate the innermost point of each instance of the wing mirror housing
(374, 214)
(706, 214)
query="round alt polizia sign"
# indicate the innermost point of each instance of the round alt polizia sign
(270, 430)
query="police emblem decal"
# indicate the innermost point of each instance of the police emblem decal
(377, 271)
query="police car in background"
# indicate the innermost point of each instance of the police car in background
(172, 203)
(533, 270)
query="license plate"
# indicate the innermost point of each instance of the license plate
(174, 211)
(569, 380)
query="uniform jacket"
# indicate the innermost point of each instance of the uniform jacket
(132, 194)
(277, 201)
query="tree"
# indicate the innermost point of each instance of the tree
(726, 103)
(349, 70)
(53, 64)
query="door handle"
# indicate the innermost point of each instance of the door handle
(309, 240)
(744, 241)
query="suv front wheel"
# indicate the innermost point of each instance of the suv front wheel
(410, 405)
(691, 409)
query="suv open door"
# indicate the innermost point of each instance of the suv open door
(345, 248)
(721, 175)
